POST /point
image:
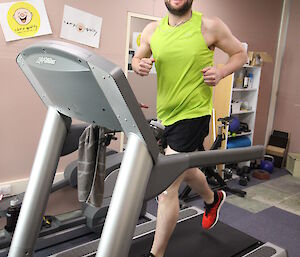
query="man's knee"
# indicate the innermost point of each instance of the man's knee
(191, 174)
(163, 196)
(172, 191)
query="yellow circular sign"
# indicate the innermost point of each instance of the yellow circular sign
(23, 19)
(138, 40)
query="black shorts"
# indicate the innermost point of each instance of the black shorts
(187, 135)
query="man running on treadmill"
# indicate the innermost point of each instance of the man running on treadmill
(182, 45)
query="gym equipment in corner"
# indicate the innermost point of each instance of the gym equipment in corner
(76, 83)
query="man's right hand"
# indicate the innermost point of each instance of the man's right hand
(144, 66)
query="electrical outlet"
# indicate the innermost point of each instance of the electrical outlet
(5, 190)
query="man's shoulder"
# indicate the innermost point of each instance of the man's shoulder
(211, 23)
(151, 27)
(149, 30)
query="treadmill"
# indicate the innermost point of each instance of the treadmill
(189, 239)
(76, 83)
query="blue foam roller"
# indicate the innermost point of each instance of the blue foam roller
(238, 142)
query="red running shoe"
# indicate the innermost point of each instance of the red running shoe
(211, 214)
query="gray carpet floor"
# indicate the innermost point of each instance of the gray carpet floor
(270, 225)
(270, 212)
(273, 216)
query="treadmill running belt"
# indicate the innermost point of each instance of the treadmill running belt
(190, 240)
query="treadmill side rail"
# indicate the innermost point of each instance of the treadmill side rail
(268, 250)
(39, 185)
(127, 200)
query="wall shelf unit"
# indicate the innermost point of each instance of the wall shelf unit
(243, 100)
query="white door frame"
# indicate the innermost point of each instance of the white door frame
(130, 16)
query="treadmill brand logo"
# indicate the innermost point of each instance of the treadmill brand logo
(45, 60)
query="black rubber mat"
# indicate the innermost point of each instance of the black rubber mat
(190, 240)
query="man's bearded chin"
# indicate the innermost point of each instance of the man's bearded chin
(179, 12)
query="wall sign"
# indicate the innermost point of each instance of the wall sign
(81, 27)
(26, 19)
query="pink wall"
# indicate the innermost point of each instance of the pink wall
(22, 113)
(257, 23)
(287, 116)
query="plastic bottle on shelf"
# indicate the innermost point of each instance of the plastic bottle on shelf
(250, 80)
(246, 80)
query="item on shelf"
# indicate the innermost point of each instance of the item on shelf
(237, 142)
(235, 106)
(246, 80)
(245, 106)
(257, 58)
(250, 80)
(234, 124)
(130, 56)
(232, 134)
(244, 127)
(239, 79)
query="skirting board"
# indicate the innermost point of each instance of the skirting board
(20, 185)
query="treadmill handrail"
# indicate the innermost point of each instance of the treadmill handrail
(170, 167)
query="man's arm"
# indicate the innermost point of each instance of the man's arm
(227, 42)
(141, 62)
(230, 45)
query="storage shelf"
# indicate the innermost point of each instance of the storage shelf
(243, 89)
(240, 135)
(242, 112)
(248, 96)
(250, 66)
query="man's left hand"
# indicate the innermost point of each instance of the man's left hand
(212, 76)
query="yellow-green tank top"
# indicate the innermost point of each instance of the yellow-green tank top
(180, 54)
